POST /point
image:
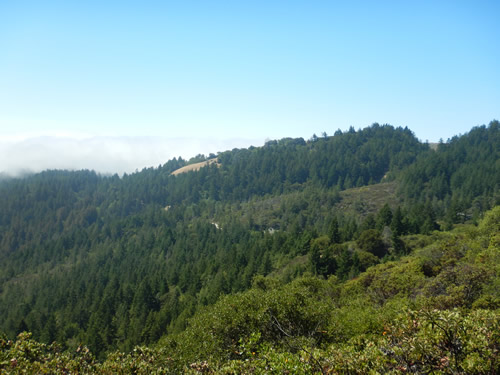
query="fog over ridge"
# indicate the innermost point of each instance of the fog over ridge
(104, 154)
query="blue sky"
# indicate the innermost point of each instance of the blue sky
(205, 74)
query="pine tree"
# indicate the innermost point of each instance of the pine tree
(333, 232)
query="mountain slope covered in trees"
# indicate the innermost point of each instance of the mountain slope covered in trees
(114, 262)
(434, 311)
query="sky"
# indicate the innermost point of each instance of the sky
(116, 86)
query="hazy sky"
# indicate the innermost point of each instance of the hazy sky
(118, 85)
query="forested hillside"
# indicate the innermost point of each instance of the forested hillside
(355, 223)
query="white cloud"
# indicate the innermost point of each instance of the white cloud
(103, 154)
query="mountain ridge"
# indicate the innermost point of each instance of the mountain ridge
(115, 269)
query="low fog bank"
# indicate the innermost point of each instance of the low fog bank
(106, 155)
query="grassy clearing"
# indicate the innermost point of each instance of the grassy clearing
(194, 167)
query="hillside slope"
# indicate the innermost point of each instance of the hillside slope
(98, 260)
(434, 311)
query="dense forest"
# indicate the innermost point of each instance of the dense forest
(363, 250)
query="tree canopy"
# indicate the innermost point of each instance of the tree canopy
(262, 245)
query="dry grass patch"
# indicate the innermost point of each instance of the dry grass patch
(195, 166)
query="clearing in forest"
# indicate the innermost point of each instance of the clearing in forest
(194, 167)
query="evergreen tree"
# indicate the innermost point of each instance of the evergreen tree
(344, 264)
(334, 232)
(384, 217)
(397, 224)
